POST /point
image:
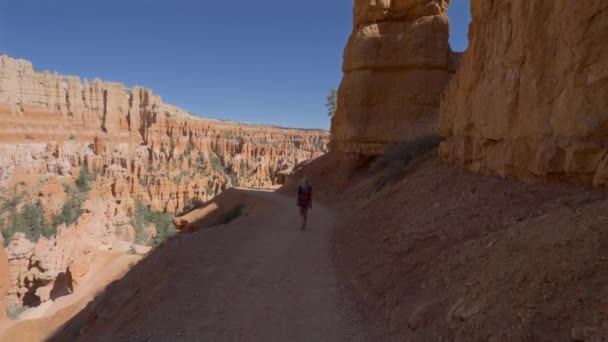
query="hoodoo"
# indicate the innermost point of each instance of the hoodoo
(530, 98)
(81, 162)
(396, 64)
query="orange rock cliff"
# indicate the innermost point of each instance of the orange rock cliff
(134, 149)
(530, 98)
(396, 64)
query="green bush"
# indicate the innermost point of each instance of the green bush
(216, 164)
(30, 220)
(331, 102)
(84, 179)
(144, 217)
(393, 163)
(72, 137)
(143, 182)
(14, 311)
(71, 210)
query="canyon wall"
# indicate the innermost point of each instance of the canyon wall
(133, 149)
(396, 64)
(137, 143)
(530, 98)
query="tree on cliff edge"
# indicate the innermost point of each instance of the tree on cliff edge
(332, 102)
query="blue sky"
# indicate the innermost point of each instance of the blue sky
(264, 61)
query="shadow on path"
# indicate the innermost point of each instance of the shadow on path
(258, 278)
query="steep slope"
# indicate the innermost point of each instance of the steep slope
(530, 98)
(445, 254)
(396, 64)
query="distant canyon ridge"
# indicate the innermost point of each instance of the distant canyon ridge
(86, 156)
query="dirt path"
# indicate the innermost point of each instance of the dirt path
(257, 279)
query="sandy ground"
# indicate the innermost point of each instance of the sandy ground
(258, 278)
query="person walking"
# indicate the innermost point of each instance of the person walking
(304, 202)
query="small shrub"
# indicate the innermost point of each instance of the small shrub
(72, 137)
(143, 182)
(164, 226)
(29, 137)
(191, 204)
(30, 220)
(71, 210)
(15, 311)
(396, 158)
(144, 217)
(216, 164)
(332, 102)
(84, 179)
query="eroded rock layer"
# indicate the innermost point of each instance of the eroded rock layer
(396, 64)
(530, 98)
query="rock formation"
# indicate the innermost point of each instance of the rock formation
(134, 148)
(396, 64)
(530, 98)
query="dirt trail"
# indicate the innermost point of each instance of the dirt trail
(257, 279)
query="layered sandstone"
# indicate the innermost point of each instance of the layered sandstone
(530, 98)
(396, 63)
(136, 148)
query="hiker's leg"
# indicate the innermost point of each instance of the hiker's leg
(301, 217)
(303, 214)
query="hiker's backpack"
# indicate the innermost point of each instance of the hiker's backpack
(305, 195)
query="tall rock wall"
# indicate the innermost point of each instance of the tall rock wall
(396, 63)
(530, 98)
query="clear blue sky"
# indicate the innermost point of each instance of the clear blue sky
(263, 61)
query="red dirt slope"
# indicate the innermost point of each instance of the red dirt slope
(445, 254)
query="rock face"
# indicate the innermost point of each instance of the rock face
(530, 98)
(396, 64)
(135, 148)
(53, 267)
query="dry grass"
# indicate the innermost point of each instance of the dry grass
(393, 164)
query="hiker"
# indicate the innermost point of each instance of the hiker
(304, 200)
